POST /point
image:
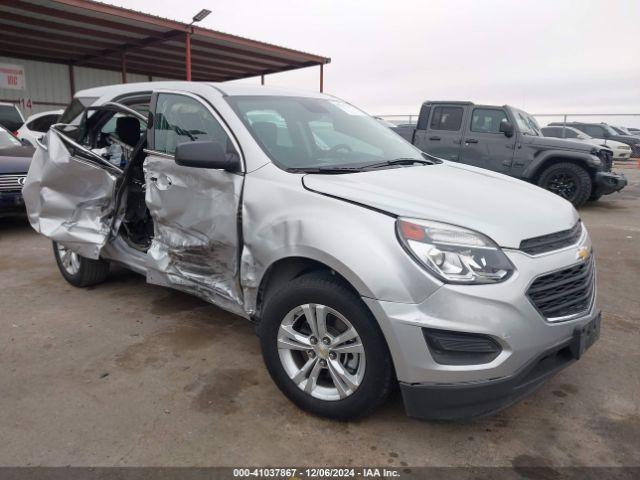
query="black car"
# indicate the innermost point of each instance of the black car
(15, 159)
(604, 131)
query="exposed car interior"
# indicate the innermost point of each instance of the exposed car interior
(119, 138)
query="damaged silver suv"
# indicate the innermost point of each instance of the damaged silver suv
(363, 262)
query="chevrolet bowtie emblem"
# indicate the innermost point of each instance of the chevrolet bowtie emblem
(584, 253)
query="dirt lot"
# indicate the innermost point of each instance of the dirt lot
(131, 374)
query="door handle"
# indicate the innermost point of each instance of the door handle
(470, 140)
(434, 138)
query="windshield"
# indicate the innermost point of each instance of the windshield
(8, 140)
(526, 123)
(10, 117)
(609, 129)
(318, 133)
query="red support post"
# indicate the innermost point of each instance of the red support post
(187, 43)
(321, 78)
(124, 67)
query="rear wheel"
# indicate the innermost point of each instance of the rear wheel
(324, 349)
(568, 180)
(77, 270)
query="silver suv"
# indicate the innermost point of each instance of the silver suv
(363, 262)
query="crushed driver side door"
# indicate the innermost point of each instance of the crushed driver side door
(196, 240)
(70, 190)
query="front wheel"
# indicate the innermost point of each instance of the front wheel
(77, 270)
(568, 180)
(324, 349)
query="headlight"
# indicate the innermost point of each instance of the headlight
(454, 254)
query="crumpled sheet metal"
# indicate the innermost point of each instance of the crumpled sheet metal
(68, 200)
(195, 244)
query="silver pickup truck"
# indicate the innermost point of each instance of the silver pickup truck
(363, 262)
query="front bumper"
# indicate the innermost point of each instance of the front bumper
(11, 202)
(501, 311)
(472, 400)
(608, 182)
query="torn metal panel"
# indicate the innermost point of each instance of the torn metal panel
(196, 242)
(69, 199)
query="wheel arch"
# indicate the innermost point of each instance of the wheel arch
(288, 268)
(539, 165)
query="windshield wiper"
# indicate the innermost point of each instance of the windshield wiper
(327, 169)
(400, 161)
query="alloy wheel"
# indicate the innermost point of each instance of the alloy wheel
(321, 352)
(563, 184)
(70, 260)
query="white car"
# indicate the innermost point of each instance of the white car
(10, 117)
(621, 151)
(37, 125)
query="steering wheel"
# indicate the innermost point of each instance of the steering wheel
(340, 146)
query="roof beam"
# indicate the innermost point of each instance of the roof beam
(131, 45)
(65, 14)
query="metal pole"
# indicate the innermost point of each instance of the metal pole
(72, 80)
(187, 44)
(261, 79)
(564, 126)
(124, 67)
(321, 78)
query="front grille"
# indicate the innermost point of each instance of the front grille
(564, 293)
(606, 156)
(12, 183)
(552, 241)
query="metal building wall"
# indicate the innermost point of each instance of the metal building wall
(48, 86)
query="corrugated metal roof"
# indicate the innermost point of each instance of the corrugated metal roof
(95, 34)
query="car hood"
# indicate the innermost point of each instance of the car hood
(505, 209)
(15, 159)
(562, 143)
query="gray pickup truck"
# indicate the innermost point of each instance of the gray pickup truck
(508, 140)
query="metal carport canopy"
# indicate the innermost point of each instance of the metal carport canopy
(92, 34)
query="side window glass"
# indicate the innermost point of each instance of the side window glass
(180, 119)
(568, 133)
(486, 120)
(446, 118)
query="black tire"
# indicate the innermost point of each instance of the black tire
(594, 197)
(570, 181)
(90, 272)
(325, 289)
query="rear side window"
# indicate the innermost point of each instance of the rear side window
(487, 120)
(75, 108)
(552, 132)
(180, 119)
(446, 118)
(593, 130)
(10, 117)
(43, 123)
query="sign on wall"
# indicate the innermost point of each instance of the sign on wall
(12, 76)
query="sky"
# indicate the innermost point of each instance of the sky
(387, 57)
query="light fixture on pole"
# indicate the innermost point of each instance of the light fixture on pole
(201, 15)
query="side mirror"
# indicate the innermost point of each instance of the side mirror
(506, 127)
(206, 154)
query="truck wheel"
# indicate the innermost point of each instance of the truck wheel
(594, 197)
(324, 349)
(568, 180)
(77, 270)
